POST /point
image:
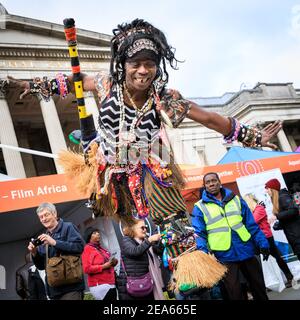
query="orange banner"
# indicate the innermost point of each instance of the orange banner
(229, 172)
(30, 192)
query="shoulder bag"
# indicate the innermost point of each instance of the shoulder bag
(139, 286)
(63, 269)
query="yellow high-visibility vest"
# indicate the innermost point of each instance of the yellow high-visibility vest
(220, 222)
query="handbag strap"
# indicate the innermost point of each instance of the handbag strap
(47, 257)
(123, 265)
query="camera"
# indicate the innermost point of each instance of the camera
(36, 242)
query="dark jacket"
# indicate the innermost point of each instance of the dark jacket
(29, 285)
(136, 261)
(22, 281)
(37, 290)
(289, 220)
(68, 241)
(239, 250)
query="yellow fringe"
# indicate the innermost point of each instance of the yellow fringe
(198, 268)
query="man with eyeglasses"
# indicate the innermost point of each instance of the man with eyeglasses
(59, 237)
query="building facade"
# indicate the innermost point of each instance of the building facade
(265, 103)
(32, 48)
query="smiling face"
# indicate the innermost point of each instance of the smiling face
(48, 219)
(212, 184)
(140, 73)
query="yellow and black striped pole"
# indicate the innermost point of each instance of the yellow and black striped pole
(87, 126)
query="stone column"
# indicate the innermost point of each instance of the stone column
(91, 106)
(13, 160)
(292, 142)
(214, 150)
(283, 141)
(54, 130)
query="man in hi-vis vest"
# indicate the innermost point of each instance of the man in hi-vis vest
(225, 226)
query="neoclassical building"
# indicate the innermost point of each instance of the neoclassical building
(265, 103)
(30, 48)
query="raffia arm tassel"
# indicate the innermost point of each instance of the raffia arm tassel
(82, 176)
(198, 269)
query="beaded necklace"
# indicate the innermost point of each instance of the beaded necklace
(131, 99)
(125, 136)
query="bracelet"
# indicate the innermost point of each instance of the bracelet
(62, 83)
(40, 86)
(46, 88)
(231, 136)
(249, 136)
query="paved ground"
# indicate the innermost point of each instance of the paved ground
(286, 294)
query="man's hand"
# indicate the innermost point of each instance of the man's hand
(265, 253)
(269, 132)
(32, 249)
(47, 239)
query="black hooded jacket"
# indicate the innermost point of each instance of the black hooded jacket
(289, 219)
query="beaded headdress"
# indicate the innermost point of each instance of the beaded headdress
(139, 35)
(141, 44)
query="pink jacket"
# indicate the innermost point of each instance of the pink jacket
(261, 218)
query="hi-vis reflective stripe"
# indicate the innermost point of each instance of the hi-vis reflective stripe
(210, 220)
(233, 213)
(216, 230)
(237, 226)
(237, 202)
(73, 51)
(78, 89)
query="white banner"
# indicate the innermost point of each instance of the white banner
(255, 184)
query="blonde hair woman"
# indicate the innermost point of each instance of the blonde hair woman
(286, 212)
(261, 218)
(138, 253)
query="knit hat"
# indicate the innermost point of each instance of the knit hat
(273, 184)
(88, 233)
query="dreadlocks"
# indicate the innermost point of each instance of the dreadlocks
(125, 36)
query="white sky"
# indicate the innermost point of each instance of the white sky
(226, 45)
